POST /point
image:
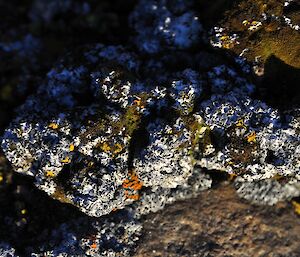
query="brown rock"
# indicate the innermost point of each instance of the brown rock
(219, 224)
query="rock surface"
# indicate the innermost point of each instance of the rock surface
(116, 121)
(218, 223)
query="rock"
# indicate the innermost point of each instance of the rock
(162, 25)
(218, 223)
(119, 130)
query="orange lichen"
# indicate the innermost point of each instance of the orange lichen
(94, 245)
(133, 182)
(134, 197)
(132, 185)
(232, 176)
(139, 103)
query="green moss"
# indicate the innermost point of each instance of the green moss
(199, 138)
(132, 116)
(131, 119)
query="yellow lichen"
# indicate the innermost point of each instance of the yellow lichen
(53, 125)
(66, 160)
(278, 177)
(245, 22)
(296, 207)
(117, 148)
(113, 149)
(60, 195)
(251, 138)
(227, 42)
(72, 147)
(90, 164)
(105, 147)
(224, 38)
(50, 174)
(229, 163)
(240, 123)
(131, 119)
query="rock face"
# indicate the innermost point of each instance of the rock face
(218, 223)
(265, 33)
(163, 25)
(119, 131)
(77, 140)
(78, 136)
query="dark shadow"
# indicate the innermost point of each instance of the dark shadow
(211, 12)
(279, 87)
(28, 215)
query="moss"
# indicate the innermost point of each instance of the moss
(60, 195)
(131, 119)
(200, 132)
(272, 38)
(284, 44)
(132, 116)
(200, 135)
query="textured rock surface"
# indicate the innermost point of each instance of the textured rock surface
(75, 139)
(218, 223)
(111, 132)
(163, 25)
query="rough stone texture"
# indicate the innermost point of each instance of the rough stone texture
(162, 25)
(218, 223)
(266, 33)
(144, 119)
